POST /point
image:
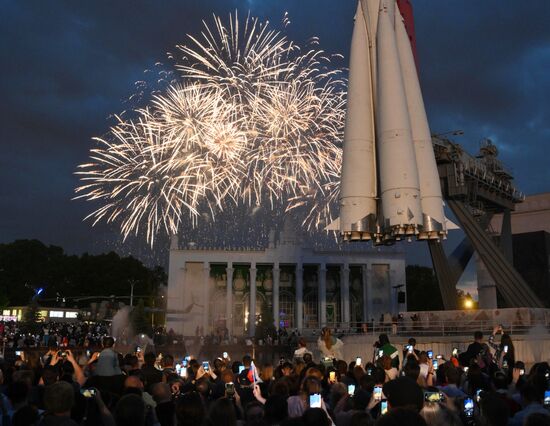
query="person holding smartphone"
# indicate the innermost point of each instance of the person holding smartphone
(386, 348)
(504, 352)
(410, 350)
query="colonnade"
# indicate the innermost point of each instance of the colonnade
(344, 302)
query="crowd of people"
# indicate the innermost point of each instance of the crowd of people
(53, 334)
(484, 385)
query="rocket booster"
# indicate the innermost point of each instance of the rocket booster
(358, 187)
(431, 200)
(389, 184)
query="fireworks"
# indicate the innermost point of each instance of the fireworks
(250, 120)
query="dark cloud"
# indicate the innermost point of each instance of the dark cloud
(67, 66)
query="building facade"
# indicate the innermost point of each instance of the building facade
(530, 228)
(303, 288)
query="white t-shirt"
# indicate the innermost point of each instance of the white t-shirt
(424, 370)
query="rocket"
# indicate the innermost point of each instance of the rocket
(390, 186)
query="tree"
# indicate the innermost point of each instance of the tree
(29, 264)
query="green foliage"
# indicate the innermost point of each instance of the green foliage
(423, 292)
(28, 264)
(265, 325)
(139, 319)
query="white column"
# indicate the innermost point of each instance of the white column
(368, 280)
(322, 295)
(229, 298)
(276, 274)
(206, 293)
(344, 295)
(366, 295)
(252, 303)
(299, 297)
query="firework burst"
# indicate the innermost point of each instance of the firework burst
(250, 119)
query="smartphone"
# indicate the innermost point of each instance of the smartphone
(455, 352)
(377, 393)
(430, 354)
(178, 368)
(188, 358)
(183, 372)
(547, 398)
(224, 355)
(315, 400)
(505, 349)
(230, 389)
(205, 366)
(369, 371)
(138, 349)
(380, 353)
(62, 354)
(521, 371)
(332, 376)
(351, 390)
(87, 392)
(241, 368)
(439, 356)
(434, 363)
(410, 348)
(466, 369)
(184, 363)
(88, 353)
(383, 407)
(18, 353)
(433, 396)
(358, 360)
(468, 407)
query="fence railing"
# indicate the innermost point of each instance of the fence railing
(434, 328)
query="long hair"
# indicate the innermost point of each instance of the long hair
(327, 337)
(506, 340)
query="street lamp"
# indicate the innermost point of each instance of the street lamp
(468, 303)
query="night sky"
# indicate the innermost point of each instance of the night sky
(67, 66)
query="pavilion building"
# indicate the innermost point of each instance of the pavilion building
(304, 288)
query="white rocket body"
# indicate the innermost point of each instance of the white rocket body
(358, 181)
(399, 187)
(431, 200)
(389, 185)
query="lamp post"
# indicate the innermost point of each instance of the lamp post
(132, 284)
